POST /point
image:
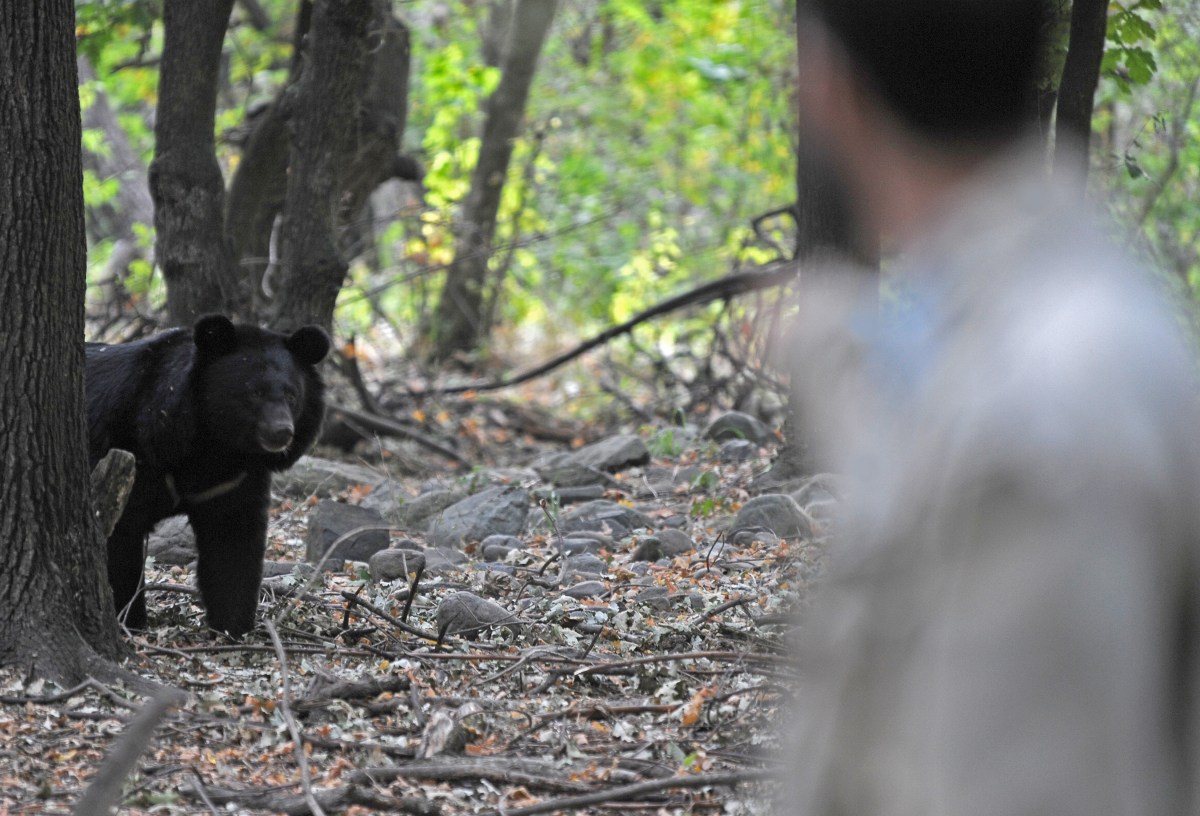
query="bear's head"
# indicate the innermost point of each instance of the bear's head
(261, 396)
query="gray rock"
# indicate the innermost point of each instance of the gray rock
(675, 542)
(609, 517)
(497, 547)
(415, 514)
(775, 512)
(468, 614)
(591, 463)
(736, 425)
(587, 563)
(586, 589)
(734, 451)
(647, 549)
(494, 511)
(443, 559)
(746, 538)
(656, 597)
(275, 569)
(314, 476)
(392, 564)
(172, 542)
(575, 545)
(340, 532)
(572, 495)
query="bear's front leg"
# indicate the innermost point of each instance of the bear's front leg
(126, 566)
(231, 535)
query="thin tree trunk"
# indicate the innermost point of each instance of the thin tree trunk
(259, 185)
(133, 207)
(323, 127)
(458, 321)
(1077, 90)
(56, 614)
(824, 233)
(185, 179)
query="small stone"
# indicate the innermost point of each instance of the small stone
(172, 542)
(734, 451)
(737, 425)
(497, 547)
(314, 476)
(608, 516)
(575, 546)
(586, 589)
(775, 512)
(468, 614)
(496, 510)
(649, 548)
(443, 559)
(587, 563)
(592, 464)
(414, 514)
(340, 532)
(675, 542)
(274, 569)
(393, 564)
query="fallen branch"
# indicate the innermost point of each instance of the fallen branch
(285, 707)
(636, 791)
(724, 288)
(375, 423)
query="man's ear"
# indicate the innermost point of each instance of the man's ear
(214, 335)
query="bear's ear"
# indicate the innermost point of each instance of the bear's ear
(309, 344)
(215, 335)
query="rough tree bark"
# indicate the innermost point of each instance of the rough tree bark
(458, 321)
(1077, 89)
(259, 187)
(323, 126)
(259, 184)
(185, 179)
(56, 614)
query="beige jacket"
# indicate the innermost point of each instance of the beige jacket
(1011, 620)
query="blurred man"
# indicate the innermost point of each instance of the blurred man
(1009, 624)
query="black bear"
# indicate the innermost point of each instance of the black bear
(209, 414)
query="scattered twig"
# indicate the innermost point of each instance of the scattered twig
(285, 708)
(636, 791)
(104, 793)
(392, 619)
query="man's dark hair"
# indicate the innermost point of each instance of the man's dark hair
(951, 70)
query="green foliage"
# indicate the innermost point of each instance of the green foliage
(654, 133)
(1147, 151)
(1127, 61)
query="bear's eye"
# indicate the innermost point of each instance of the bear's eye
(292, 398)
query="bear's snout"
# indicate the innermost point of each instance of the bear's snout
(275, 429)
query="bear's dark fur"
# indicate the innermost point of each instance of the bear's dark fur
(209, 414)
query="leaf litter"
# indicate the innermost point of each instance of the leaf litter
(659, 692)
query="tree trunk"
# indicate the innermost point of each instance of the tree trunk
(185, 179)
(1077, 90)
(133, 207)
(458, 322)
(323, 127)
(824, 233)
(259, 184)
(56, 613)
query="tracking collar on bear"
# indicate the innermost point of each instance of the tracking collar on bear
(193, 499)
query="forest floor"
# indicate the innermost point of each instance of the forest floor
(660, 691)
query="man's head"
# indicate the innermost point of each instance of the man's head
(938, 84)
